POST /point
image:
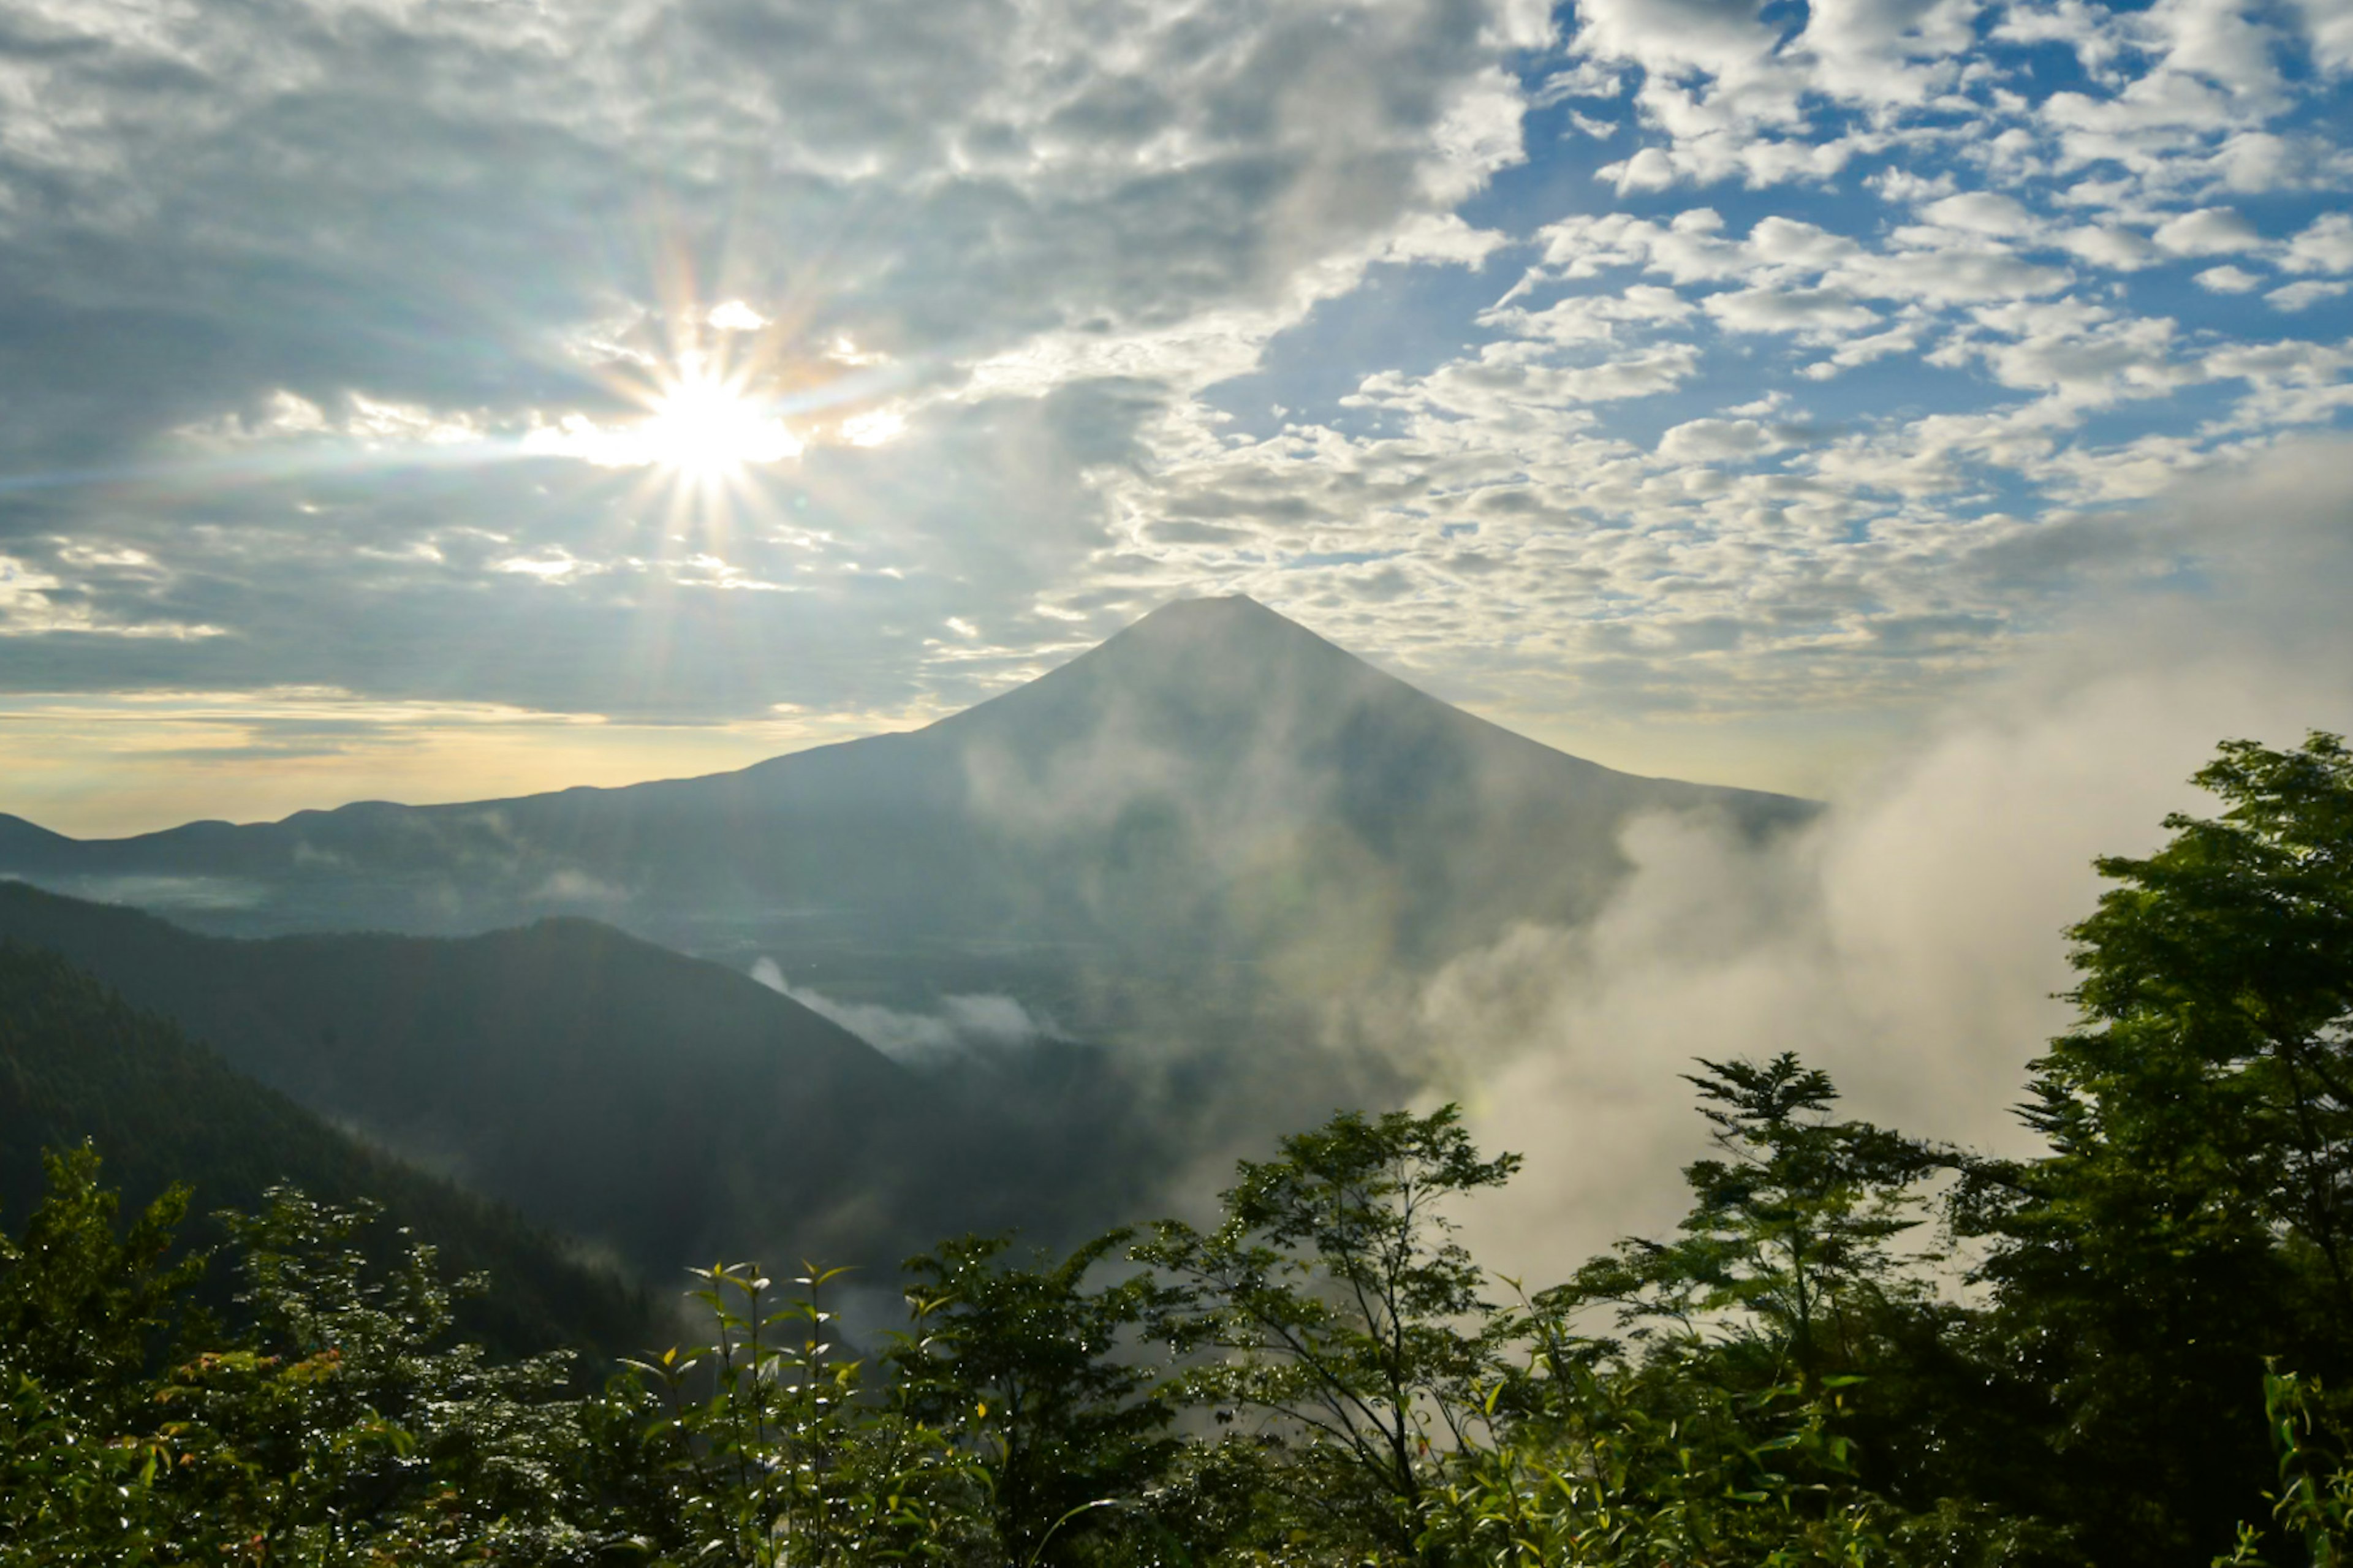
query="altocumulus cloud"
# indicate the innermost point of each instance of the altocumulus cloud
(1623, 362)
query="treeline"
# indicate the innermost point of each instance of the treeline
(1858, 1347)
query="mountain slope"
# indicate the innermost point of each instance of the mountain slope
(1214, 786)
(668, 1108)
(77, 1062)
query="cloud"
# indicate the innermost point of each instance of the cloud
(1910, 943)
(1982, 212)
(321, 323)
(2325, 246)
(962, 1026)
(2210, 231)
(1815, 315)
(1713, 441)
(2229, 280)
(2297, 296)
(2110, 245)
(337, 240)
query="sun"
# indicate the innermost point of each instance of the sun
(705, 428)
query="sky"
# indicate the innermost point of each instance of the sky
(441, 399)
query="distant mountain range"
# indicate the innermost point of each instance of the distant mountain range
(1213, 797)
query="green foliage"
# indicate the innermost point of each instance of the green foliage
(1020, 1366)
(84, 1306)
(2188, 1220)
(1332, 1299)
(782, 1460)
(343, 1425)
(82, 1309)
(1785, 1252)
(2313, 1505)
(2220, 979)
(1800, 1375)
(1662, 1464)
(338, 1429)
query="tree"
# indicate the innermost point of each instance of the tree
(1332, 1299)
(2218, 985)
(765, 1447)
(346, 1424)
(2190, 1219)
(1785, 1252)
(82, 1307)
(83, 1311)
(1024, 1364)
(1755, 1402)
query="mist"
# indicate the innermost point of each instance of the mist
(961, 1026)
(1910, 939)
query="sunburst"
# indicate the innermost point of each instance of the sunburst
(707, 428)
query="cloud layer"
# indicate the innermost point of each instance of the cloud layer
(1630, 365)
(1911, 942)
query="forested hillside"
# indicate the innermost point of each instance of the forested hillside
(668, 1108)
(78, 1063)
(1858, 1347)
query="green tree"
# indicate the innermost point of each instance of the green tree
(1038, 1373)
(1722, 1418)
(82, 1307)
(2218, 983)
(346, 1424)
(84, 1312)
(765, 1447)
(1785, 1253)
(2189, 1219)
(1333, 1299)
(2313, 1505)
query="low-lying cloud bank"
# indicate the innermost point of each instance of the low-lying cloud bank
(1911, 941)
(961, 1026)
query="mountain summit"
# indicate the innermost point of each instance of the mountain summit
(1216, 786)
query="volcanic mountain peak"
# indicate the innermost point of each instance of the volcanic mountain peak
(1203, 675)
(1214, 779)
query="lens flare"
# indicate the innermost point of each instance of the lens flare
(705, 428)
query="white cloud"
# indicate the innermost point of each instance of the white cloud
(2299, 296)
(2210, 231)
(1023, 285)
(2325, 246)
(1815, 315)
(2329, 26)
(2111, 245)
(1716, 440)
(2229, 280)
(1982, 212)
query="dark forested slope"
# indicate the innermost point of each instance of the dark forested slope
(668, 1108)
(77, 1062)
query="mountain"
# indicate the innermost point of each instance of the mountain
(664, 1109)
(1215, 800)
(1175, 877)
(77, 1062)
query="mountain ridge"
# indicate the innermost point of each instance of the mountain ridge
(657, 1106)
(1174, 610)
(1215, 789)
(77, 1062)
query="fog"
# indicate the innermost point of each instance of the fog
(961, 1024)
(1911, 941)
